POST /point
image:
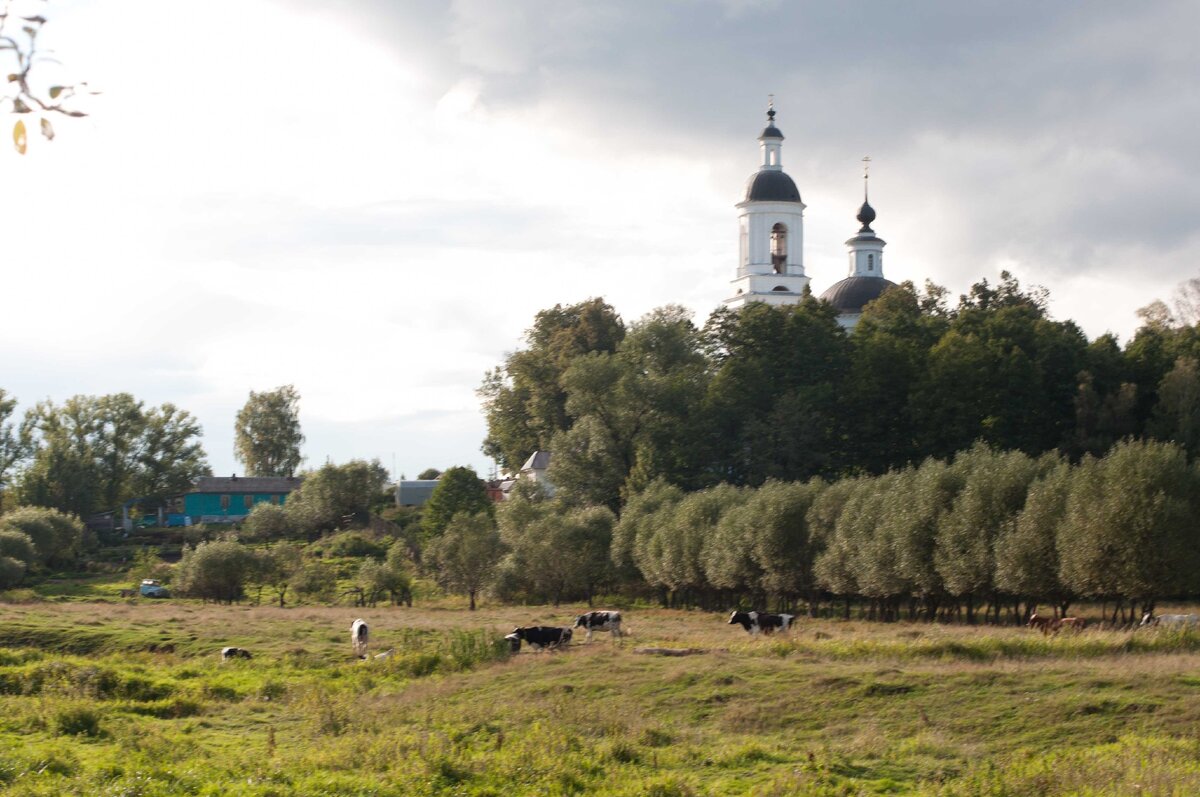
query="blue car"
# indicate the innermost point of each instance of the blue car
(151, 588)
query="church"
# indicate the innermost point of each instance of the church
(771, 242)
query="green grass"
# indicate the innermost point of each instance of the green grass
(131, 699)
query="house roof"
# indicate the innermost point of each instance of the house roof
(414, 492)
(245, 484)
(538, 460)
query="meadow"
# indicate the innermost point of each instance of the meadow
(112, 697)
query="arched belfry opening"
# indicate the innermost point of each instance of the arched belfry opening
(779, 248)
(771, 226)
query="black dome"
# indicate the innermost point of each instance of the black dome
(866, 214)
(853, 293)
(771, 132)
(771, 186)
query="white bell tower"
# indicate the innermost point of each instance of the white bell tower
(771, 230)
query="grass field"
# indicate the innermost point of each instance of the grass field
(129, 698)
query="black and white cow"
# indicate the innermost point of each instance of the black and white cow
(540, 636)
(600, 621)
(360, 636)
(235, 653)
(761, 622)
(1170, 620)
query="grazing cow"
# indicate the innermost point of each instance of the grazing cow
(761, 622)
(600, 621)
(1070, 623)
(1041, 623)
(541, 636)
(1183, 620)
(359, 636)
(235, 653)
(514, 642)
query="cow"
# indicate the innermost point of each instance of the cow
(1183, 620)
(1041, 623)
(541, 636)
(514, 642)
(761, 622)
(599, 621)
(228, 654)
(359, 637)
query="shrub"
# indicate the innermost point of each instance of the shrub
(351, 543)
(11, 572)
(77, 720)
(215, 571)
(18, 545)
(57, 537)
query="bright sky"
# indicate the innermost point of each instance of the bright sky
(370, 200)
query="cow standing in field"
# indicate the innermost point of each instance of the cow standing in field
(600, 621)
(1170, 620)
(228, 654)
(761, 622)
(540, 636)
(1041, 623)
(359, 637)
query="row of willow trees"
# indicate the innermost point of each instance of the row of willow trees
(982, 532)
(784, 393)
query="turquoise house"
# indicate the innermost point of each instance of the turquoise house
(228, 499)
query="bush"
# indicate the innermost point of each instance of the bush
(77, 720)
(216, 571)
(18, 545)
(351, 543)
(57, 537)
(11, 572)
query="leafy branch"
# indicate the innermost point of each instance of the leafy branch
(20, 48)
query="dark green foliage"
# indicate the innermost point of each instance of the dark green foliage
(215, 571)
(459, 490)
(94, 452)
(350, 543)
(12, 571)
(335, 496)
(524, 401)
(58, 538)
(17, 545)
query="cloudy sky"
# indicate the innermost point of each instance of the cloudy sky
(370, 200)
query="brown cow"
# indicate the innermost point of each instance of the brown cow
(1070, 623)
(1043, 624)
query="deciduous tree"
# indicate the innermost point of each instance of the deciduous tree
(465, 556)
(267, 436)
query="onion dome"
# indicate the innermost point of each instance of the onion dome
(866, 214)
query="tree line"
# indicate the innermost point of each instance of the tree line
(784, 393)
(90, 454)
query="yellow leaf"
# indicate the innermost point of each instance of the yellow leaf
(19, 136)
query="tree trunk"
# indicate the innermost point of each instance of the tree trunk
(471, 596)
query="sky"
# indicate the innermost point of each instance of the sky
(371, 200)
